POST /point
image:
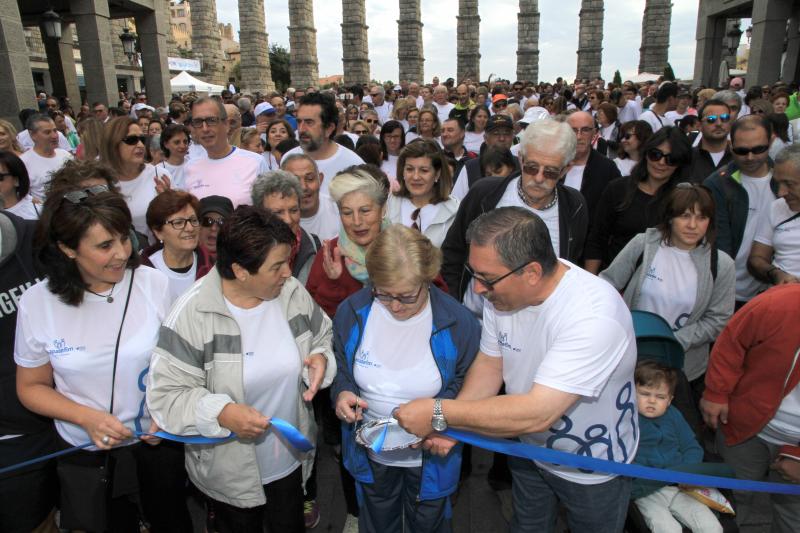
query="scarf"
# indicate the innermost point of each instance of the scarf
(355, 255)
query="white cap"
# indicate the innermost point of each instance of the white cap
(534, 113)
(263, 107)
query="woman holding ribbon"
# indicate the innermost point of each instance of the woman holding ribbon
(439, 341)
(245, 344)
(83, 345)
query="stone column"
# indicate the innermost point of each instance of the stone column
(304, 65)
(16, 83)
(355, 47)
(410, 57)
(528, 41)
(468, 45)
(790, 69)
(766, 44)
(654, 52)
(590, 39)
(253, 42)
(206, 40)
(97, 53)
(61, 64)
(164, 12)
(152, 29)
(708, 52)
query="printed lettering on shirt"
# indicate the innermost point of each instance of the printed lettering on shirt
(362, 359)
(9, 300)
(502, 340)
(60, 347)
(652, 274)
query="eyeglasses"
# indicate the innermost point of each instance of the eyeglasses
(710, 119)
(586, 130)
(180, 223)
(501, 103)
(655, 155)
(371, 120)
(755, 150)
(532, 169)
(628, 136)
(374, 95)
(489, 284)
(208, 121)
(133, 140)
(78, 197)
(388, 298)
(208, 222)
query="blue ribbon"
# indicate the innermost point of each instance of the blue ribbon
(287, 430)
(377, 446)
(548, 455)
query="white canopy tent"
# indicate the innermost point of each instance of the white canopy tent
(645, 77)
(185, 82)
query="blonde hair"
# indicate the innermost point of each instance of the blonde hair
(12, 133)
(401, 253)
(353, 180)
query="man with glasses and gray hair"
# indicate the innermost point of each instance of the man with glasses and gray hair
(562, 341)
(226, 171)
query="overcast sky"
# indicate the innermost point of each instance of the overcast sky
(558, 36)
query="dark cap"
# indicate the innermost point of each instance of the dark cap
(499, 121)
(216, 204)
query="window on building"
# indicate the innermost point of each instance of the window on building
(181, 13)
(182, 26)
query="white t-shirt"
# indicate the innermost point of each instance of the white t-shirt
(179, 282)
(177, 173)
(340, 160)
(629, 112)
(139, 192)
(473, 141)
(760, 197)
(511, 198)
(79, 344)
(580, 340)
(389, 374)
(196, 151)
(231, 176)
(389, 166)
(443, 110)
(669, 288)
(461, 188)
(655, 120)
(574, 177)
(784, 428)
(326, 223)
(716, 157)
(607, 131)
(40, 169)
(25, 209)
(625, 166)
(384, 111)
(26, 142)
(782, 236)
(424, 218)
(674, 116)
(271, 373)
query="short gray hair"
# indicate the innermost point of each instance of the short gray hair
(380, 89)
(275, 181)
(244, 103)
(727, 95)
(551, 135)
(304, 157)
(223, 113)
(357, 180)
(32, 125)
(790, 154)
(517, 235)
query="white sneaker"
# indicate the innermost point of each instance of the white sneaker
(351, 524)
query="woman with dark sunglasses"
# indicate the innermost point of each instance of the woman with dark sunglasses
(631, 204)
(123, 149)
(15, 187)
(402, 488)
(632, 137)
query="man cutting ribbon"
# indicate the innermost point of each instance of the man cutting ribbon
(562, 340)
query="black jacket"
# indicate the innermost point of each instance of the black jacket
(598, 172)
(573, 222)
(17, 274)
(702, 166)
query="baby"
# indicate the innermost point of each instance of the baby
(666, 441)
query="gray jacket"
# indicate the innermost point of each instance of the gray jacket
(196, 370)
(712, 308)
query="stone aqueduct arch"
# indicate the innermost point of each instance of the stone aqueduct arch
(256, 75)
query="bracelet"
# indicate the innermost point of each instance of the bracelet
(769, 272)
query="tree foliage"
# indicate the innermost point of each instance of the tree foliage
(279, 64)
(669, 75)
(617, 78)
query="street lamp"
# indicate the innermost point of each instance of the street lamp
(51, 25)
(128, 43)
(733, 37)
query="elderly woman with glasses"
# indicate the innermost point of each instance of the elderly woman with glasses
(172, 217)
(428, 126)
(83, 345)
(675, 271)
(631, 204)
(423, 201)
(407, 487)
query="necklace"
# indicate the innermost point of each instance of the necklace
(109, 298)
(527, 200)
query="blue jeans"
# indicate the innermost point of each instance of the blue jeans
(536, 494)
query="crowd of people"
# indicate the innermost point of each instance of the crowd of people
(435, 256)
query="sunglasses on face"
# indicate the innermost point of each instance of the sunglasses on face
(370, 120)
(208, 222)
(755, 150)
(710, 119)
(501, 103)
(628, 136)
(489, 284)
(655, 155)
(360, 132)
(133, 140)
(388, 298)
(532, 169)
(180, 223)
(209, 121)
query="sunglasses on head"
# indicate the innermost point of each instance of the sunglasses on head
(133, 140)
(79, 196)
(755, 150)
(724, 117)
(655, 155)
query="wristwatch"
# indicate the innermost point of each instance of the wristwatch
(438, 421)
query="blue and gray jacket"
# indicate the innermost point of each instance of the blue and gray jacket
(454, 343)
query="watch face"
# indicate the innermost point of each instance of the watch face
(439, 423)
